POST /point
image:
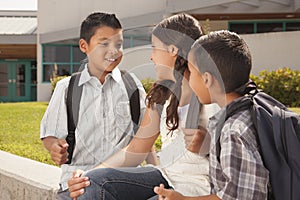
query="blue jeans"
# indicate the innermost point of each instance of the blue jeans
(123, 183)
(63, 195)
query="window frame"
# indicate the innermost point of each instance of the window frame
(71, 63)
(256, 22)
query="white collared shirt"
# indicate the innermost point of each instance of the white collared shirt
(104, 122)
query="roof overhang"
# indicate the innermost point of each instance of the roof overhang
(233, 6)
(18, 39)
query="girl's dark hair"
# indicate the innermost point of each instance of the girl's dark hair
(180, 30)
(226, 56)
(96, 20)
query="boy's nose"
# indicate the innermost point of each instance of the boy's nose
(113, 49)
(112, 52)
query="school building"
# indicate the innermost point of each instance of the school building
(18, 42)
(270, 27)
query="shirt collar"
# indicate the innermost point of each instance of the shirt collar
(222, 113)
(85, 75)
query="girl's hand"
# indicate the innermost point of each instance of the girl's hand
(194, 139)
(167, 194)
(77, 184)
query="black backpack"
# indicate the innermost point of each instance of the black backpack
(73, 102)
(278, 134)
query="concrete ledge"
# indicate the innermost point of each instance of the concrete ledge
(22, 178)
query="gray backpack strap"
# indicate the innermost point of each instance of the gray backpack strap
(73, 102)
(193, 116)
(134, 98)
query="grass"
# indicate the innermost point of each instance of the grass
(19, 130)
(296, 110)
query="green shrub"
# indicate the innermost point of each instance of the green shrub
(158, 144)
(55, 80)
(282, 84)
(147, 83)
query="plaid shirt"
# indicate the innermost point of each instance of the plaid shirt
(239, 173)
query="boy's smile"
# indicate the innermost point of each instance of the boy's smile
(111, 59)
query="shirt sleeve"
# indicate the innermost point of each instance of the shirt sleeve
(54, 121)
(246, 177)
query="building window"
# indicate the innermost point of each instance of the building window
(248, 27)
(56, 54)
(269, 27)
(245, 28)
(137, 36)
(64, 58)
(292, 26)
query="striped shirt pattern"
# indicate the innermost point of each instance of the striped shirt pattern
(104, 122)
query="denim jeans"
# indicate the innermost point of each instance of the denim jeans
(63, 195)
(123, 183)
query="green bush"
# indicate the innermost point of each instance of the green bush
(158, 144)
(147, 83)
(55, 80)
(282, 84)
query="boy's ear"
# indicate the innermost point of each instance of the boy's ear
(208, 79)
(173, 50)
(83, 45)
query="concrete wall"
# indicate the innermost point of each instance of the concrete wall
(22, 178)
(137, 60)
(271, 51)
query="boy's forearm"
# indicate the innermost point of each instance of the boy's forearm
(48, 142)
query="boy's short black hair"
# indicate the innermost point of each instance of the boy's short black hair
(226, 56)
(96, 20)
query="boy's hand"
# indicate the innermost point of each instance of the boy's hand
(77, 184)
(167, 194)
(58, 151)
(194, 139)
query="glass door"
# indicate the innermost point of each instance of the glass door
(14, 81)
(4, 84)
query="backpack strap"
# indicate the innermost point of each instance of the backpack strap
(193, 116)
(73, 102)
(243, 104)
(134, 98)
